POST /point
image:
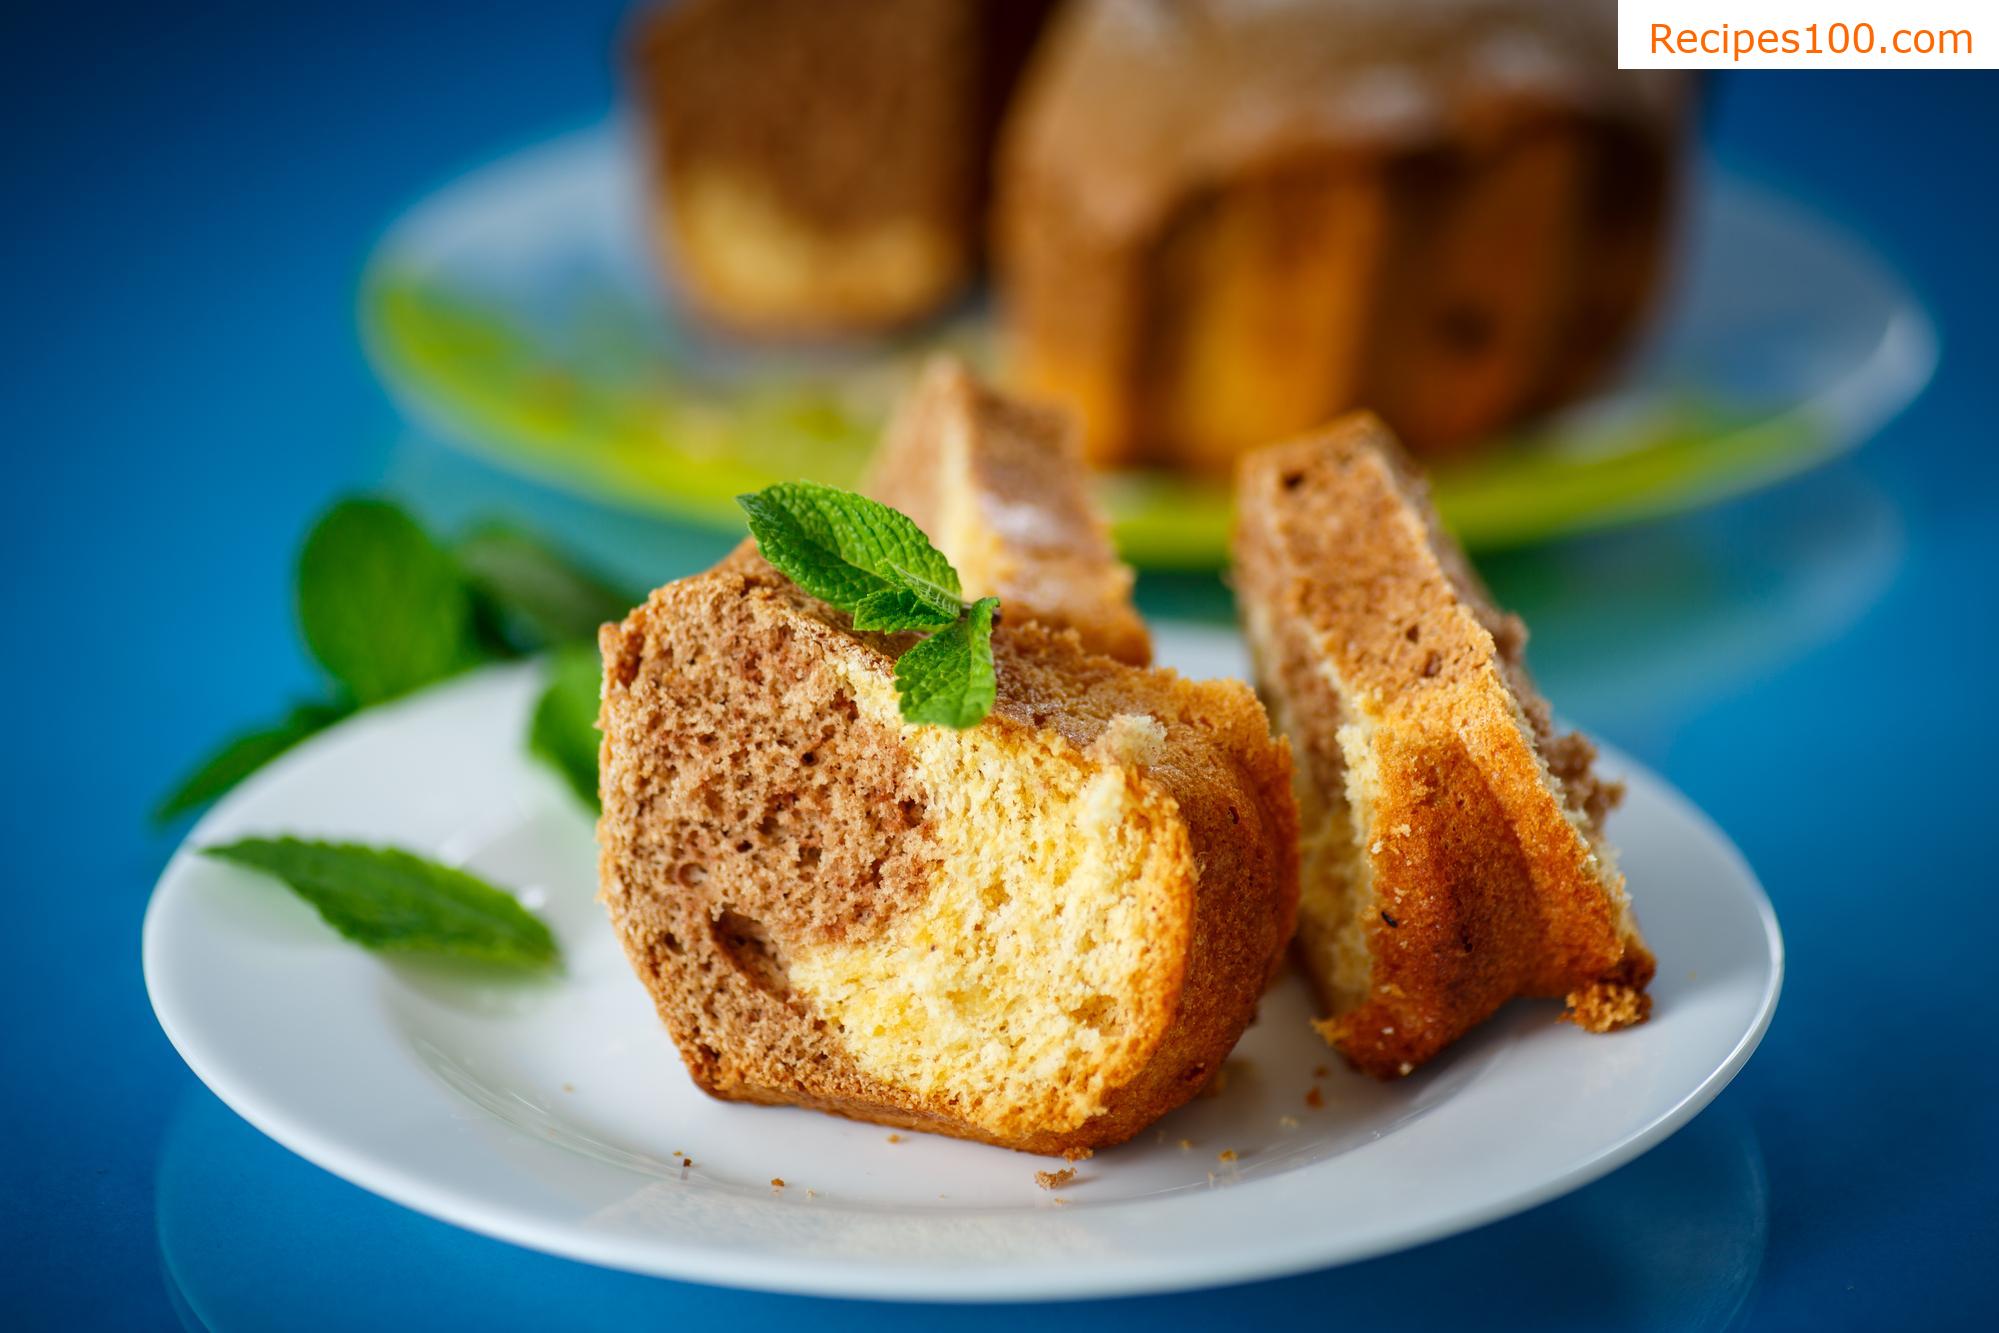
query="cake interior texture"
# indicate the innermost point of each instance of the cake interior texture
(1043, 931)
(1452, 848)
(1001, 488)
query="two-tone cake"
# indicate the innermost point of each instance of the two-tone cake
(1452, 848)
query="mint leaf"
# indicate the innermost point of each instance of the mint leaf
(387, 899)
(944, 600)
(529, 595)
(563, 732)
(902, 609)
(875, 564)
(842, 547)
(948, 679)
(382, 607)
(243, 755)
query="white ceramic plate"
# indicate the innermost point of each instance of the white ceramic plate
(556, 1114)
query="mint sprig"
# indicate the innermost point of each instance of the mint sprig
(394, 901)
(563, 731)
(866, 559)
(382, 606)
(527, 595)
(948, 678)
(243, 754)
(386, 608)
(849, 551)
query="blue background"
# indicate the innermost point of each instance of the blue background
(189, 201)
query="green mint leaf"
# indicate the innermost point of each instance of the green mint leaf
(842, 547)
(243, 755)
(387, 899)
(948, 679)
(529, 596)
(902, 609)
(874, 563)
(382, 606)
(563, 732)
(945, 601)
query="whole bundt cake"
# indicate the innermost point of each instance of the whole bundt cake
(1220, 222)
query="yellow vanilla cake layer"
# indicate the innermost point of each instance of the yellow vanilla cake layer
(1019, 983)
(750, 262)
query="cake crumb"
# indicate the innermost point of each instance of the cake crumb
(812, 1194)
(1314, 1098)
(569, 1087)
(1288, 1121)
(686, 1162)
(1130, 740)
(895, 1138)
(777, 1182)
(1185, 1144)
(1055, 1180)
(1606, 1006)
(1226, 1155)
(1059, 1201)
(1319, 1071)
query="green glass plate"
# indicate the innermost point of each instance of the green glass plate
(517, 311)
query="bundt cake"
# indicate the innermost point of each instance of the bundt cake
(1220, 222)
(1002, 491)
(822, 167)
(1043, 931)
(1452, 844)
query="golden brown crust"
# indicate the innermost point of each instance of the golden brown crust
(751, 808)
(1220, 223)
(1001, 488)
(1472, 867)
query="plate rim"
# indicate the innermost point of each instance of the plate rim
(841, 1277)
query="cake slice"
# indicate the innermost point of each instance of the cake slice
(1043, 931)
(1452, 850)
(1000, 487)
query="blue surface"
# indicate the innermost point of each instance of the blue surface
(190, 201)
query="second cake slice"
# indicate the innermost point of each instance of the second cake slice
(1452, 843)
